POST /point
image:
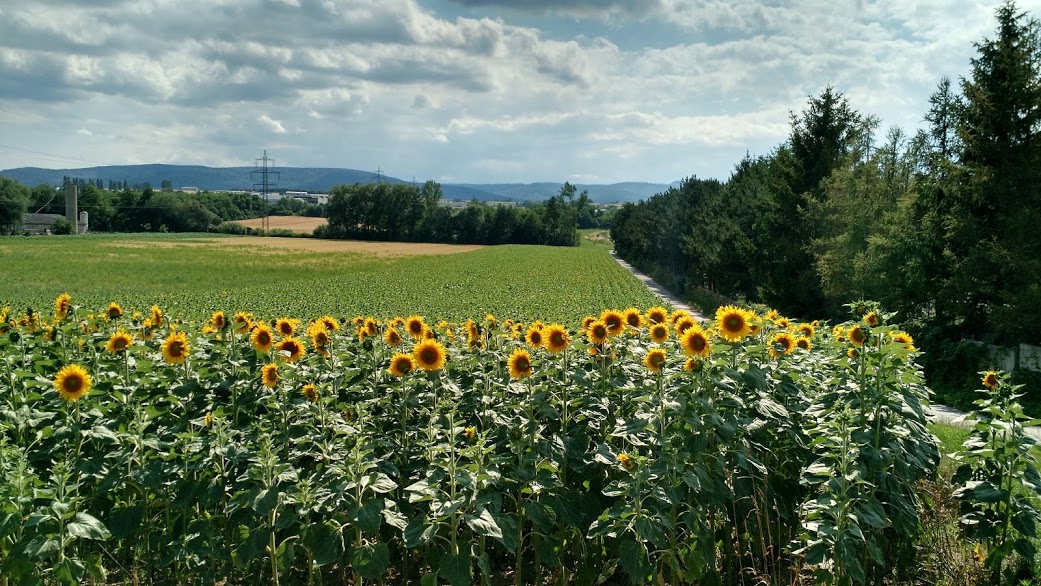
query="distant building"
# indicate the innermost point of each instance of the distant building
(189, 190)
(44, 223)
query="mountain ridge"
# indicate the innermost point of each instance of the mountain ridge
(320, 180)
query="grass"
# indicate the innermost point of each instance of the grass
(191, 277)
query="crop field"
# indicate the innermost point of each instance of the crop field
(196, 411)
(299, 224)
(193, 276)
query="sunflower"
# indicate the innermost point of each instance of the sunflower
(772, 315)
(655, 360)
(320, 340)
(113, 311)
(556, 338)
(392, 337)
(852, 353)
(633, 317)
(331, 323)
(72, 382)
(429, 355)
(119, 342)
(269, 375)
(695, 343)
(675, 316)
(781, 343)
(839, 333)
(415, 326)
(534, 336)
(659, 332)
(157, 316)
(310, 392)
(218, 321)
(62, 305)
(733, 322)
(857, 335)
(470, 433)
(692, 365)
(807, 330)
(519, 363)
(903, 338)
(614, 320)
(781, 323)
(401, 364)
(990, 379)
(243, 321)
(625, 461)
(683, 324)
(176, 348)
(291, 349)
(285, 326)
(657, 315)
(586, 321)
(596, 333)
(490, 320)
(262, 338)
(872, 319)
(803, 343)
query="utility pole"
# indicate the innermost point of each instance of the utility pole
(264, 179)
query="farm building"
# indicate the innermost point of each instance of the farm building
(42, 223)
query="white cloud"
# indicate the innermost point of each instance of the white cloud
(271, 124)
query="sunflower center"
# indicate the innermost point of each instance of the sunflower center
(428, 355)
(176, 348)
(73, 383)
(734, 323)
(522, 363)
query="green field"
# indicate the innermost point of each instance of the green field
(191, 279)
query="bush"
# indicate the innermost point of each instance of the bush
(62, 226)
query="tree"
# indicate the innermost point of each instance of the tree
(992, 244)
(14, 200)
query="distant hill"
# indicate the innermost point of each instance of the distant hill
(317, 180)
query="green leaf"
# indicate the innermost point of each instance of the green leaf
(124, 522)
(417, 532)
(633, 558)
(456, 568)
(371, 560)
(323, 541)
(86, 526)
(381, 483)
(265, 501)
(484, 524)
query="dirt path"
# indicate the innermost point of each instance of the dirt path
(658, 290)
(937, 412)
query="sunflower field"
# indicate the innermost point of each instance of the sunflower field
(635, 446)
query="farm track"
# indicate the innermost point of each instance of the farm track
(937, 412)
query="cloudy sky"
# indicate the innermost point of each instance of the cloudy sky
(591, 91)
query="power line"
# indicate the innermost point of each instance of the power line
(52, 156)
(264, 173)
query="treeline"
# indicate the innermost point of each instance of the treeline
(407, 213)
(941, 226)
(141, 210)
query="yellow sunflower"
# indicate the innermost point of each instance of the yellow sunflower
(614, 320)
(119, 342)
(285, 326)
(683, 324)
(534, 336)
(597, 332)
(415, 326)
(556, 338)
(781, 323)
(772, 315)
(857, 335)
(657, 315)
(62, 305)
(733, 322)
(243, 321)
(692, 365)
(470, 433)
(392, 337)
(625, 461)
(176, 348)
(401, 364)
(262, 338)
(218, 321)
(291, 349)
(113, 311)
(991, 379)
(807, 330)
(331, 323)
(586, 321)
(678, 315)
(429, 355)
(269, 375)
(655, 360)
(519, 363)
(803, 343)
(310, 392)
(157, 316)
(781, 343)
(905, 339)
(659, 332)
(633, 318)
(72, 382)
(320, 340)
(872, 319)
(695, 342)
(838, 332)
